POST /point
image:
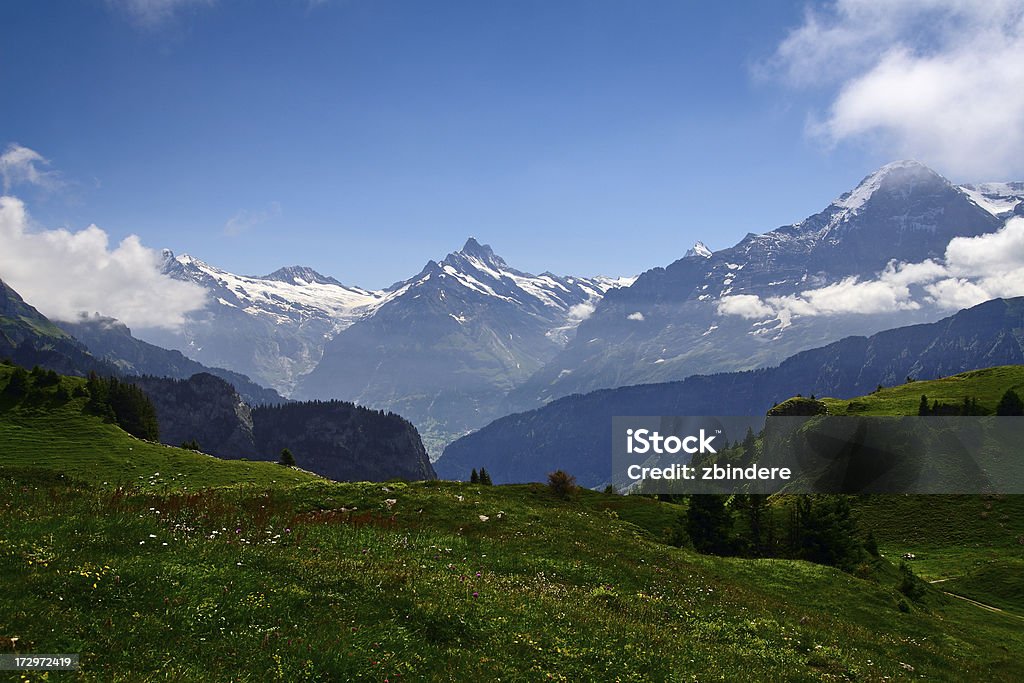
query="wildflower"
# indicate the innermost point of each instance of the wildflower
(475, 594)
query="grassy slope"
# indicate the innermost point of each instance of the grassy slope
(59, 436)
(296, 585)
(987, 385)
(326, 581)
(974, 544)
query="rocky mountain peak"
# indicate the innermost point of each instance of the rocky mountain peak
(698, 249)
(899, 178)
(474, 251)
(299, 275)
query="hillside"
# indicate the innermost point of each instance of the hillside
(295, 578)
(30, 338)
(57, 433)
(986, 385)
(443, 581)
(112, 341)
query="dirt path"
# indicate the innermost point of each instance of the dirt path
(982, 605)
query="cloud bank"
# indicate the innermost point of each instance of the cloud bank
(973, 270)
(65, 274)
(937, 80)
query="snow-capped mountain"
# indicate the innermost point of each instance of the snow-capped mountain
(445, 346)
(271, 328)
(1000, 199)
(670, 324)
(441, 348)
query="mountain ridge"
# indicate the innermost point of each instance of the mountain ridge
(668, 324)
(574, 432)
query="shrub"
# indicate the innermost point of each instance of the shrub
(287, 459)
(562, 484)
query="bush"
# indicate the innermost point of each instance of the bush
(562, 484)
(910, 585)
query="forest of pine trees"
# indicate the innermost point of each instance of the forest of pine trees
(124, 404)
(817, 528)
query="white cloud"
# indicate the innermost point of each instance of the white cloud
(243, 221)
(747, 306)
(974, 269)
(582, 311)
(21, 165)
(152, 13)
(937, 80)
(65, 274)
(638, 316)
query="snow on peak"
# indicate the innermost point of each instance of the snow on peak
(999, 199)
(898, 174)
(477, 250)
(300, 275)
(699, 249)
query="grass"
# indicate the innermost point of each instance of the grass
(987, 385)
(59, 435)
(237, 571)
(327, 581)
(974, 545)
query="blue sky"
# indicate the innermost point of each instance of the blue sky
(363, 137)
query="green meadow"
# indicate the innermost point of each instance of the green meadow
(158, 564)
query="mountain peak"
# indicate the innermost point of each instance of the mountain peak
(295, 275)
(699, 249)
(897, 177)
(474, 248)
(474, 251)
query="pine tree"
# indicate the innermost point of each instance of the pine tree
(749, 441)
(753, 509)
(485, 477)
(922, 408)
(709, 524)
(17, 385)
(825, 531)
(287, 459)
(1010, 404)
(474, 478)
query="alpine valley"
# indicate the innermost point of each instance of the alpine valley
(442, 348)
(470, 338)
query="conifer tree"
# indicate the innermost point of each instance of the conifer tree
(709, 524)
(474, 478)
(1010, 404)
